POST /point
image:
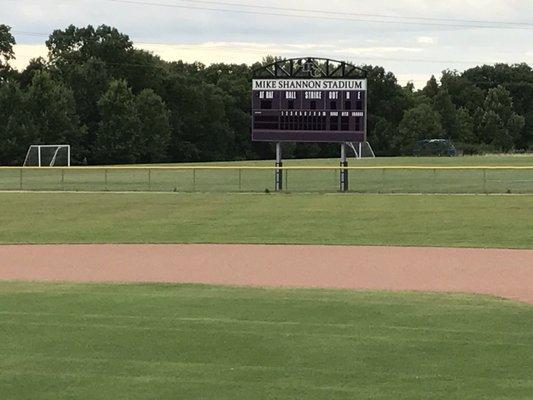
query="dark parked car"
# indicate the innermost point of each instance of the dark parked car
(434, 147)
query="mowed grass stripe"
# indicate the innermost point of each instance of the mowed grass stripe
(78, 341)
(172, 366)
(194, 323)
(209, 320)
(303, 386)
(457, 221)
(359, 339)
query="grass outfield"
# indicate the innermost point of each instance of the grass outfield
(503, 160)
(73, 341)
(436, 220)
(430, 180)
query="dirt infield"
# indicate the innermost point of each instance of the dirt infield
(505, 273)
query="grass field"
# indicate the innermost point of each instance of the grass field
(72, 341)
(472, 161)
(436, 220)
(92, 341)
(380, 180)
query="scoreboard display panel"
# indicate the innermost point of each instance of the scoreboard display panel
(309, 110)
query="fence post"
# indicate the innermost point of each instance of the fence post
(62, 179)
(149, 179)
(194, 179)
(105, 179)
(485, 181)
(383, 180)
(286, 179)
(240, 179)
(20, 183)
(434, 180)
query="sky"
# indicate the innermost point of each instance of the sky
(412, 38)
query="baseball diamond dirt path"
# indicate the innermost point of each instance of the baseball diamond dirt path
(505, 273)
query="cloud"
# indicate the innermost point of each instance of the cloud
(231, 52)
(426, 40)
(250, 52)
(210, 36)
(378, 50)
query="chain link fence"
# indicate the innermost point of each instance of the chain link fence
(260, 179)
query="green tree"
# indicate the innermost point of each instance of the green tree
(234, 80)
(382, 136)
(154, 126)
(387, 103)
(142, 70)
(463, 92)
(518, 80)
(432, 87)
(500, 124)
(465, 126)
(77, 45)
(442, 103)
(7, 41)
(118, 136)
(386, 98)
(208, 107)
(16, 127)
(208, 126)
(420, 122)
(89, 81)
(35, 65)
(52, 109)
(522, 95)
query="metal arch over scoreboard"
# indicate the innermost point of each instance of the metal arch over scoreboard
(309, 100)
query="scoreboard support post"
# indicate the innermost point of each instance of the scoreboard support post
(343, 170)
(279, 168)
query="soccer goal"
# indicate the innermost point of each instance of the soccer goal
(361, 149)
(48, 155)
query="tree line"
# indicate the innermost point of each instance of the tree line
(114, 103)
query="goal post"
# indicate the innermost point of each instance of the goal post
(48, 155)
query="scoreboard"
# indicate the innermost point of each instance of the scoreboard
(309, 110)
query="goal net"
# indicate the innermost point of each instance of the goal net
(50, 155)
(361, 150)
